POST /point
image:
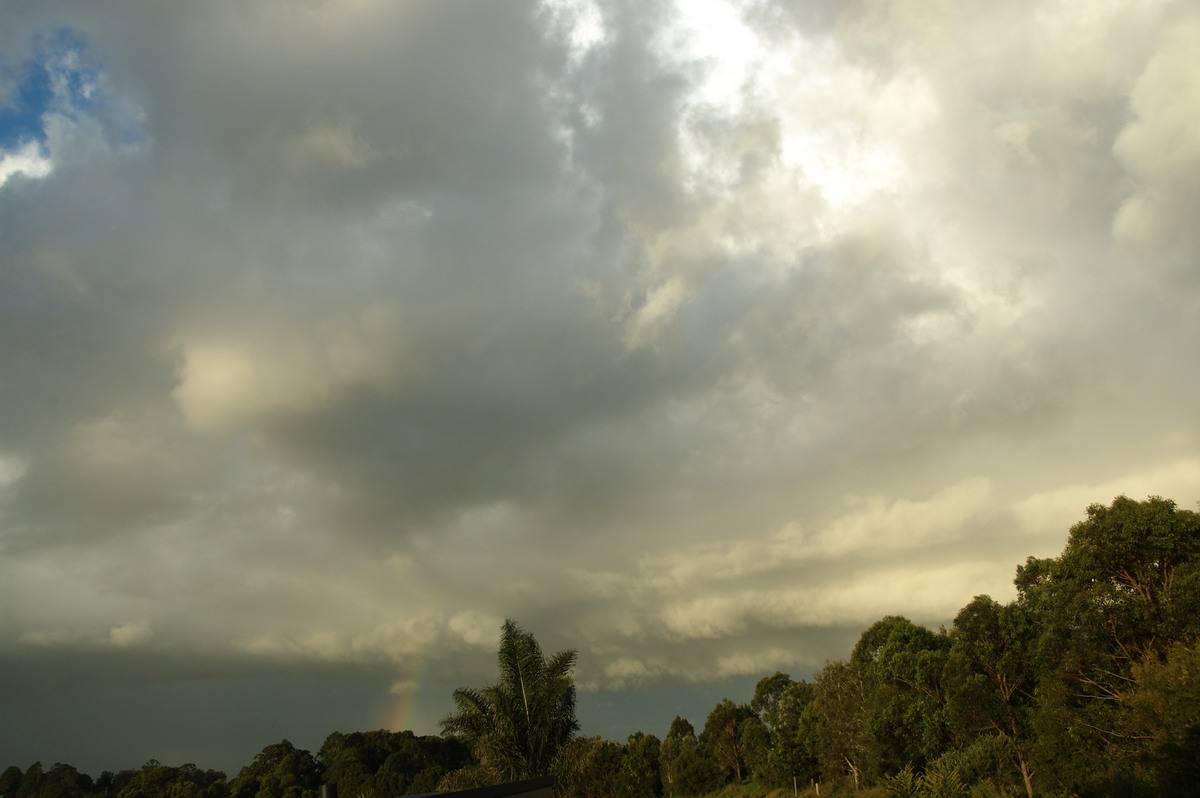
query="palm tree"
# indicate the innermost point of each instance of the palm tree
(516, 726)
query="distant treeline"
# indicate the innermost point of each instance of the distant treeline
(375, 763)
(1087, 684)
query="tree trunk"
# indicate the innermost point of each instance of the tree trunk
(1026, 774)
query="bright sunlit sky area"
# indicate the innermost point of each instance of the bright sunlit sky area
(694, 335)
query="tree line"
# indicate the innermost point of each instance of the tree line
(1086, 684)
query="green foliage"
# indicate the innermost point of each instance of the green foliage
(468, 778)
(185, 781)
(942, 780)
(1165, 711)
(640, 767)
(990, 677)
(10, 781)
(279, 771)
(687, 768)
(31, 782)
(516, 726)
(755, 740)
(939, 781)
(588, 767)
(985, 763)
(790, 760)
(767, 695)
(384, 763)
(906, 709)
(904, 784)
(722, 737)
(681, 727)
(842, 742)
(1123, 593)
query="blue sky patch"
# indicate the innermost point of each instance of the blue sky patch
(58, 78)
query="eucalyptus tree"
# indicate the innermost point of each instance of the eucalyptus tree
(280, 770)
(907, 710)
(837, 720)
(687, 767)
(640, 769)
(991, 678)
(1124, 592)
(515, 726)
(588, 767)
(722, 736)
(790, 760)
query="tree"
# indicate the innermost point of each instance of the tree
(755, 740)
(1165, 712)
(1125, 589)
(31, 784)
(790, 760)
(517, 725)
(10, 781)
(837, 723)
(588, 767)
(767, 694)
(64, 781)
(907, 708)
(280, 770)
(687, 768)
(388, 763)
(991, 677)
(640, 770)
(722, 736)
(155, 779)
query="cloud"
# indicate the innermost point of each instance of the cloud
(26, 160)
(224, 386)
(696, 337)
(1161, 145)
(133, 633)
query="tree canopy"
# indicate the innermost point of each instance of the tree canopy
(517, 725)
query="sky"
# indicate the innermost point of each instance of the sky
(695, 336)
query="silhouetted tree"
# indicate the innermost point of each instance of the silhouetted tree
(516, 726)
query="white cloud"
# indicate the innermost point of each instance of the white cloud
(26, 160)
(1161, 146)
(12, 468)
(130, 634)
(475, 628)
(224, 384)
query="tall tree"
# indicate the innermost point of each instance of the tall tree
(1166, 714)
(836, 719)
(687, 767)
(790, 760)
(722, 736)
(10, 780)
(1125, 589)
(517, 725)
(31, 784)
(991, 678)
(281, 770)
(588, 767)
(640, 770)
(767, 693)
(907, 707)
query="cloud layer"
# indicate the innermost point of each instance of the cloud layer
(696, 336)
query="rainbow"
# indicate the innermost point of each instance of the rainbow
(404, 694)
